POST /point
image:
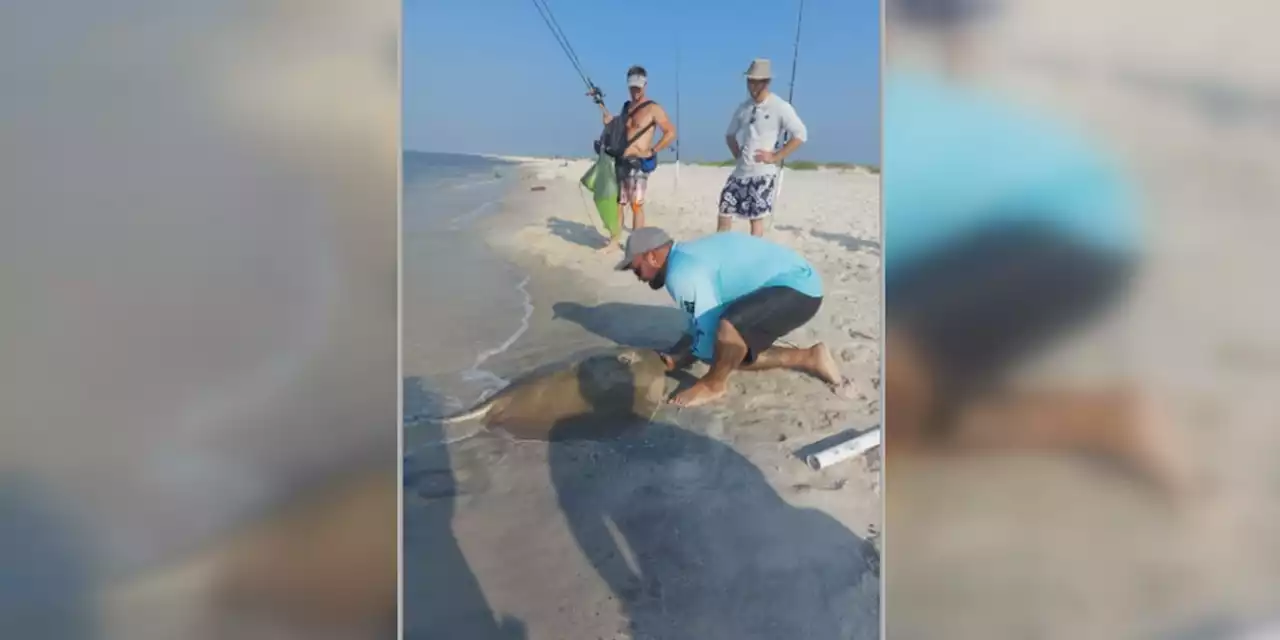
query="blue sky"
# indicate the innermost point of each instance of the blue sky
(486, 76)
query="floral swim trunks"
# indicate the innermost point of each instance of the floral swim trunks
(632, 182)
(748, 198)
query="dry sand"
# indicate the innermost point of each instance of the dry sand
(704, 525)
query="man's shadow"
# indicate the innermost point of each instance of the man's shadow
(845, 240)
(442, 597)
(576, 232)
(692, 539)
(632, 325)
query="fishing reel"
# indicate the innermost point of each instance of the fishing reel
(596, 94)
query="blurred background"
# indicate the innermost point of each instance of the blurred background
(1181, 100)
(199, 376)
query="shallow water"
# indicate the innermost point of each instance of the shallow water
(464, 306)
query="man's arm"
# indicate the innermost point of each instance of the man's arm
(734, 148)
(796, 132)
(680, 354)
(668, 130)
(731, 137)
(787, 149)
(694, 292)
(604, 111)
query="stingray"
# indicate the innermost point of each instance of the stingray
(596, 396)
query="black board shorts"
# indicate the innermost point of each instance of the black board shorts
(989, 301)
(763, 316)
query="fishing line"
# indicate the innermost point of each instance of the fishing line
(549, 19)
(791, 92)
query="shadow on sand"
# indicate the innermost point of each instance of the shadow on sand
(694, 542)
(632, 325)
(442, 597)
(576, 232)
(847, 241)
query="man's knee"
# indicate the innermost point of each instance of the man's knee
(726, 332)
(637, 207)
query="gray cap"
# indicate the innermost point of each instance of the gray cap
(642, 240)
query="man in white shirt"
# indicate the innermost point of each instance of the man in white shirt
(753, 140)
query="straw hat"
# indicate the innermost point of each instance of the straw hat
(760, 69)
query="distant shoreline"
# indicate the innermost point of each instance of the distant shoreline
(797, 165)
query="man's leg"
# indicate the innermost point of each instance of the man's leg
(759, 196)
(729, 201)
(815, 361)
(745, 337)
(960, 347)
(1111, 423)
(639, 186)
(909, 394)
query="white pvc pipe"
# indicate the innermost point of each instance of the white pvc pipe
(845, 450)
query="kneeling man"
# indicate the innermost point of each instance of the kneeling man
(742, 294)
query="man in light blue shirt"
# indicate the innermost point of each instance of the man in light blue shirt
(742, 293)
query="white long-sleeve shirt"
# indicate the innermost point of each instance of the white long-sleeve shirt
(759, 127)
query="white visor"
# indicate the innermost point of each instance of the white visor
(637, 81)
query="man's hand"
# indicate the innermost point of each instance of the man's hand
(767, 157)
(668, 360)
(680, 355)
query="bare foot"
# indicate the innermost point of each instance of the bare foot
(824, 366)
(700, 393)
(1153, 449)
(614, 243)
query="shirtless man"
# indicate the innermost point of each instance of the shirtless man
(641, 156)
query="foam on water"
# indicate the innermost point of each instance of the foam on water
(457, 222)
(475, 372)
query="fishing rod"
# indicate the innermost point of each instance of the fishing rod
(549, 19)
(791, 90)
(677, 110)
(795, 53)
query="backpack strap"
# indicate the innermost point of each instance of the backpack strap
(647, 127)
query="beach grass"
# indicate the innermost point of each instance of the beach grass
(800, 165)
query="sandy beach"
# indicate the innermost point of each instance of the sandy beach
(703, 524)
